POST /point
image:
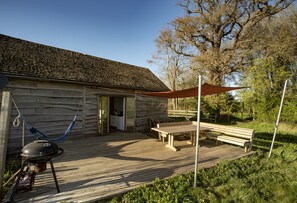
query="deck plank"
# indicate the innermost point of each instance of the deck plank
(94, 168)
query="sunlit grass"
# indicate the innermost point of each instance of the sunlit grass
(256, 178)
(286, 133)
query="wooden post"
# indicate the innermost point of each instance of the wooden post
(84, 107)
(4, 129)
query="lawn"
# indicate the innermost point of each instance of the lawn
(256, 178)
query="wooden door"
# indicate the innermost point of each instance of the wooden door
(103, 115)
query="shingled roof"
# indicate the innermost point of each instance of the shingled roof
(36, 61)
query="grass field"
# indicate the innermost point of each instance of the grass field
(251, 179)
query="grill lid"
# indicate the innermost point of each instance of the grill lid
(40, 148)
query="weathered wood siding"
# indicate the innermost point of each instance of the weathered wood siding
(147, 109)
(51, 106)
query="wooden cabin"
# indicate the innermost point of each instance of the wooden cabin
(49, 85)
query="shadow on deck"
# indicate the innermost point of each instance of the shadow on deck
(98, 167)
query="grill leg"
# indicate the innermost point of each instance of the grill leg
(9, 195)
(54, 174)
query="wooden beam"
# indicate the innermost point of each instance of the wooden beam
(84, 107)
(4, 129)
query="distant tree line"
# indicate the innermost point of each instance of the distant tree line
(241, 42)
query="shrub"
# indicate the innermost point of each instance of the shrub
(12, 165)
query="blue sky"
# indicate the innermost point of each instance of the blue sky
(120, 30)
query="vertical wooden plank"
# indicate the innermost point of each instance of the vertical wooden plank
(4, 129)
(84, 106)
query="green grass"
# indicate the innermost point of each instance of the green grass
(256, 178)
(12, 165)
(264, 132)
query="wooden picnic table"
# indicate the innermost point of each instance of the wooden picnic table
(172, 131)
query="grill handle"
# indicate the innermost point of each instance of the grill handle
(61, 151)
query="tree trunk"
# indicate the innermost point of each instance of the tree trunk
(215, 78)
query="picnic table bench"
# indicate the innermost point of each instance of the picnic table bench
(170, 131)
(219, 133)
(162, 136)
(229, 134)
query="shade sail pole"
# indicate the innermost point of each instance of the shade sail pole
(197, 130)
(278, 117)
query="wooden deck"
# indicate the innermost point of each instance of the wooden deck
(100, 167)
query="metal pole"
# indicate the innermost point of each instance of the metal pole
(278, 117)
(55, 177)
(197, 131)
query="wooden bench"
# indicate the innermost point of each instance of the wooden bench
(229, 134)
(162, 136)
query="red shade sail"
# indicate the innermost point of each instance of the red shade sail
(206, 89)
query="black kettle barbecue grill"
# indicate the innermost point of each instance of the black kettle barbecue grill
(38, 153)
(41, 151)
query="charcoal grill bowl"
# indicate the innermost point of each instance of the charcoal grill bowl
(37, 152)
(41, 151)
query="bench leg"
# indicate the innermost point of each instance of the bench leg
(171, 143)
(250, 147)
(193, 138)
(160, 137)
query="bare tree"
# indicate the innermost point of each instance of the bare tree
(173, 65)
(219, 30)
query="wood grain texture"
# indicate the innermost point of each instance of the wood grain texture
(50, 107)
(149, 108)
(4, 130)
(98, 167)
